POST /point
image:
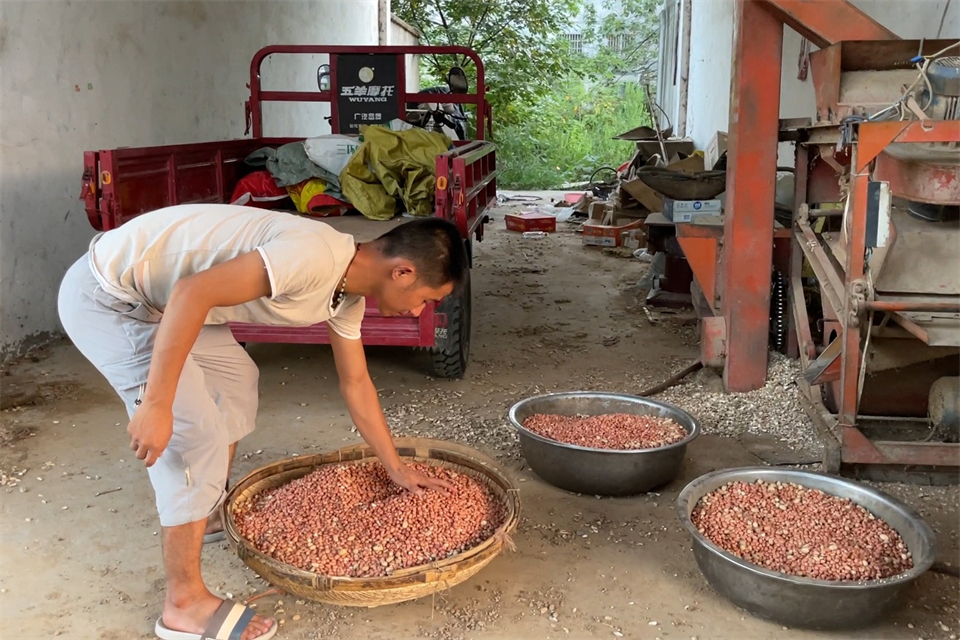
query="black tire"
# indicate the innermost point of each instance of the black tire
(452, 350)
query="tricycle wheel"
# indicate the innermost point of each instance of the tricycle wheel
(452, 350)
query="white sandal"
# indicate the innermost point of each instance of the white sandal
(228, 623)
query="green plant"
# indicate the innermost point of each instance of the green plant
(516, 39)
(570, 135)
(555, 111)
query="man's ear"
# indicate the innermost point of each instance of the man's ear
(404, 270)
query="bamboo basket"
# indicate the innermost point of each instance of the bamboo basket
(406, 584)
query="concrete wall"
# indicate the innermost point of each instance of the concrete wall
(403, 34)
(98, 75)
(712, 42)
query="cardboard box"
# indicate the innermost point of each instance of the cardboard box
(582, 205)
(530, 221)
(652, 147)
(716, 148)
(686, 210)
(599, 235)
(635, 239)
(643, 194)
(693, 164)
(690, 216)
(597, 210)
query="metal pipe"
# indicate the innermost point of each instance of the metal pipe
(912, 305)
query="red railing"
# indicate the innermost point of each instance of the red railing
(258, 96)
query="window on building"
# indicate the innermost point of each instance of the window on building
(667, 70)
(576, 42)
(620, 42)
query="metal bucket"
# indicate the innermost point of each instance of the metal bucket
(605, 472)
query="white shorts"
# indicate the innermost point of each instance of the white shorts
(215, 403)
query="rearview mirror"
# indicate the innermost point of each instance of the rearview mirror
(323, 77)
(457, 81)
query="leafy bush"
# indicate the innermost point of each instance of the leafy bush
(555, 110)
(569, 135)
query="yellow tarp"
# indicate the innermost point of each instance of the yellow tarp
(390, 165)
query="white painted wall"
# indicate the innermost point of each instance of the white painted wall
(712, 43)
(85, 75)
(403, 34)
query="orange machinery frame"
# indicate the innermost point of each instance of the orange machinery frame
(739, 291)
(730, 263)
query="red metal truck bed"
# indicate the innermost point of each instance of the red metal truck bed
(121, 184)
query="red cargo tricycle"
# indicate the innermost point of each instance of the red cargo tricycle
(123, 183)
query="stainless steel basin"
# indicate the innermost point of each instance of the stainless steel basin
(603, 472)
(806, 602)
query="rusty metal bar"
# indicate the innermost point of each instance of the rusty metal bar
(825, 22)
(806, 349)
(856, 263)
(874, 137)
(748, 224)
(918, 332)
(830, 280)
(857, 449)
(825, 423)
(934, 454)
(817, 371)
(908, 305)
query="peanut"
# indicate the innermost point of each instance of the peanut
(615, 431)
(802, 532)
(353, 521)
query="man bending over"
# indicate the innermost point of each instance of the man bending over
(148, 306)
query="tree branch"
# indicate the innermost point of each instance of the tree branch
(443, 20)
(419, 25)
(476, 25)
(492, 36)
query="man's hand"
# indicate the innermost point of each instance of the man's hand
(415, 482)
(364, 406)
(150, 430)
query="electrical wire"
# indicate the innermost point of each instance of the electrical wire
(908, 91)
(945, 49)
(866, 344)
(863, 359)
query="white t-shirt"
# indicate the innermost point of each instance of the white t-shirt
(140, 262)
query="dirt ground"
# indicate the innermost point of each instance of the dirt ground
(81, 559)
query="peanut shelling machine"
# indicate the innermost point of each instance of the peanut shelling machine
(120, 184)
(871, 257)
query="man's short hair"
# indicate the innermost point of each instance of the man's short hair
(433, 245)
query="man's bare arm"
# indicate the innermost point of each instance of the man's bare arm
(230, 283)
(364, 405)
